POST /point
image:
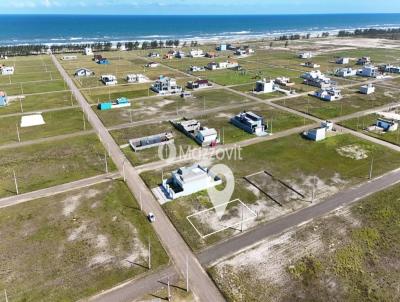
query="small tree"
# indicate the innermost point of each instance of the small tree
(286, 44)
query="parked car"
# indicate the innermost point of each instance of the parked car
(151, 217)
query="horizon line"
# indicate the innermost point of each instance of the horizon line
(192, 15)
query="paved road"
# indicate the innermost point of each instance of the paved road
(135, 289)
(87, 182)
(202, 286)
(238, 243)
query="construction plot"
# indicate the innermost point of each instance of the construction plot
(233, 215)
(275, 189)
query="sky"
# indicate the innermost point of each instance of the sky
(192, 7)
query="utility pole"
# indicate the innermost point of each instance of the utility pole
(271, 126)
(15, 182)
(20, 104)
(140, 201)
(187, 274)
(314, 189)
(149, 254)
(19, 138)
(5, 294)
(371, 168)
(169, 290)
(241, 220)
(204, 105)
(123, 170)
(105, 161)
(130, 114)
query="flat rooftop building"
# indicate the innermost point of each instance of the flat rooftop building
(250, 122)
(189, 180)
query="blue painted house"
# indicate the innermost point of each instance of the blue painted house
(103, 61)
(3, 99)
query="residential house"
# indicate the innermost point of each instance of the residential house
(222, 65)
(328, 125)
(166, 86)
(88, 51)
(189, 180)
(283, 81)
(97, 58)
(153, 55)
(151, 141)
(211, 54)
(205, 137)
(249, 122)
(152, 64)
(390, 68)
(83, 72)
(7, 70)
(109, 80)
(310, 64)
(329, 94)
(264, 86)
(196, 68)
(180, 54)
(103, 61)
(319, 134)
(3, 99)
(305, 55)
(196, 53)
(119, 103)
(364, 61)
(69, 58)
(137, 78)
(367, 89)
(345, 72)
(198, 84)
(317, 79)
(387, 125)
(369, 71)
(222, 47)
(169, 56)
(316, 134)
(343, 61)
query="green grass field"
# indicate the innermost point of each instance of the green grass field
(57, 123)
(44, 165)
(359, 124)
(291, 159)
(39, 102)
(352, 102)
(74, 245)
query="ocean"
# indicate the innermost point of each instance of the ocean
(60, 29)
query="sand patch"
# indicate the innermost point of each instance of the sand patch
(353, 151)
(164, 102)
(77, 233)
(100, 259)
(71, 203)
